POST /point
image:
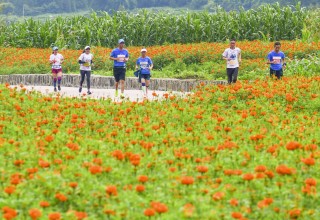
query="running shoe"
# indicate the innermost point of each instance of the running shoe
(80, 89)
(59, 87)
(55, 89)
(89, 93)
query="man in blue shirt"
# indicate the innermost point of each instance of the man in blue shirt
(120, 56)
(276, 61)
(145, 64)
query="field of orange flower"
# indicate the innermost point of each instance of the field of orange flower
(246, 151)
(174, 60)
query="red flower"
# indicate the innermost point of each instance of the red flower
(80, 215)
(35, 214)
(236, 215)
(202, 169)
(308, 161)
(61, 197)
(49, 138)
(73, 184)
(311, 182)
(10, 189)
(284, 170)
(159, 207)
(112, 190)
(187, 180)
(294, 213)
(248, 176)
(143, 179)
(293, 145)
(260, 168)
(54, 216)
(149, 212)
(44, 204)
(218, 196)
(140, 188)
(234, 202)
(95, 169)
(9, 213)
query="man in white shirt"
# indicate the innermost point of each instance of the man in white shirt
(233, 57)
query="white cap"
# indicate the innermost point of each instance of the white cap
(87, 47)
(143, 50)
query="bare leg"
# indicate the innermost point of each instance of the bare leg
(147, 85)
(121, 85)
(143, 86)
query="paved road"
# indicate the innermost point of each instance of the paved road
(132, 95)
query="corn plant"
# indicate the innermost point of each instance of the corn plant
(145, 28)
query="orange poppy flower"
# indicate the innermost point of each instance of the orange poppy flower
(140, 188)
(35, 214)
(310, 182)
(149, 212)
(187, 180)
(54, 216)
(143, 179)
(112, 190)
(218, 196)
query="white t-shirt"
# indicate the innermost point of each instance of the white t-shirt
(233, 54)
(58, 59)
(87, 58)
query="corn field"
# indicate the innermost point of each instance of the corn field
(268, 22)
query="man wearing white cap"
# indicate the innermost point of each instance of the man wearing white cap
(145, 64)
(120, 56)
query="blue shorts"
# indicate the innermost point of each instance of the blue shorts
(144, 76)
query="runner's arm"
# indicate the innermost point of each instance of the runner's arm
(269, 60)
(112, 57)
(284, 64)
(224, 56)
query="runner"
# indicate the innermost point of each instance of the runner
(145, 64)
(56, 59)
(233, 57)
(85, 61)
(276, 61)
(120, 56)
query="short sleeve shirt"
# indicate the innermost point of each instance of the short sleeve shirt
(57, 60)
(278, 58)
(233, 54)
(87, 58)
(144, 64)
(122, 54)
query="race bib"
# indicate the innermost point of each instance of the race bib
(56, 66)
(87, 64)
(232, 62)
(122, 57)
(277, 60)
(144, 65)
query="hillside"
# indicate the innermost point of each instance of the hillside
(39, 7)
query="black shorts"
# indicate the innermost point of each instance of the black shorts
(144, 76)
(278, 73)
(119, 73)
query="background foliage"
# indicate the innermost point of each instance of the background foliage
(36, 7)
(145, 28)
